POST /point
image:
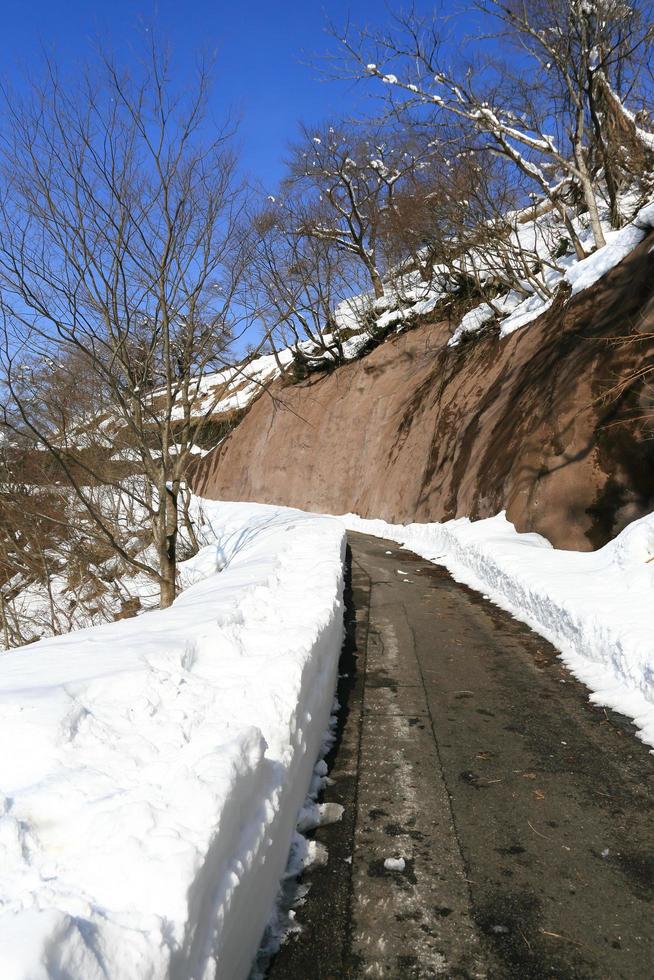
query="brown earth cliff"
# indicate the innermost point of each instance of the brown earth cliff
(417, 431)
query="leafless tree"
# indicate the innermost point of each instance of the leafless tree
(468, 236)
(588, 56)
(345, 180)
(300, 281)
(121, 261)
(545, 119)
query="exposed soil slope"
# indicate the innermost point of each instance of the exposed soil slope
(418, 431)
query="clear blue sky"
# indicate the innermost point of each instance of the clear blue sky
(262, 48)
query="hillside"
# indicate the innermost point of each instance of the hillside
(327, 493)
(421, 431)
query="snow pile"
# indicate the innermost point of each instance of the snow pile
(596, 607)
(519, 312)
(233, 388)
(153, 769)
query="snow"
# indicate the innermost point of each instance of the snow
(353, 346)
(579, 274)
(585, 273)
(618, 245)
(233, 388)
(595, 607)
(157, 765)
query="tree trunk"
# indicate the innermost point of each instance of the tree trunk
(377, 284)
(369, 257)
(610, 175)
(188, 520)
(167, 590)
(580, 252)
(590, 199)
(167, 524)
(167, 570)
(5, 625)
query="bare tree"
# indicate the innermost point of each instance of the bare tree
(545, 119)
(121, 259)
(292, 277)
(345, 181)
(588, 55)
(299, 281)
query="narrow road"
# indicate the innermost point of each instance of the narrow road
(522, 812)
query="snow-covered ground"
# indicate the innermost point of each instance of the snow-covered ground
(153, 769)
(597, 608)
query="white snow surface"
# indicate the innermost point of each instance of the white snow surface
(233, 388)
(579, 274)
(597, 607)
(153, 769)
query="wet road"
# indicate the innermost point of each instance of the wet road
(522, 812)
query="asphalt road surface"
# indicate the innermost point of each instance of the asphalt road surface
(522, 812)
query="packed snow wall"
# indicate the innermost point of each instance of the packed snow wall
(419, 431)
(153, 769)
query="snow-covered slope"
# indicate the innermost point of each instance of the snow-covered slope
(407, 297)
(519, 312)
(153, 769)
(595, 607)
(233, 388)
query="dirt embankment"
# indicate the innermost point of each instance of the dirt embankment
(417, 431)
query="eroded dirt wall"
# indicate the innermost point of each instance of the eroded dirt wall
(418, 431)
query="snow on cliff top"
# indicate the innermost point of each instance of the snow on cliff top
(579, 275)
(408, 297)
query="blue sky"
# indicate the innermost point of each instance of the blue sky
(262, 53)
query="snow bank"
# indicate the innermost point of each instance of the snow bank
(596, 607)
(579, 275)
(234, 388)
(153, 769)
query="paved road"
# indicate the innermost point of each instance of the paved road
(523, 813)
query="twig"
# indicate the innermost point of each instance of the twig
(567, 939)
(551, 839)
